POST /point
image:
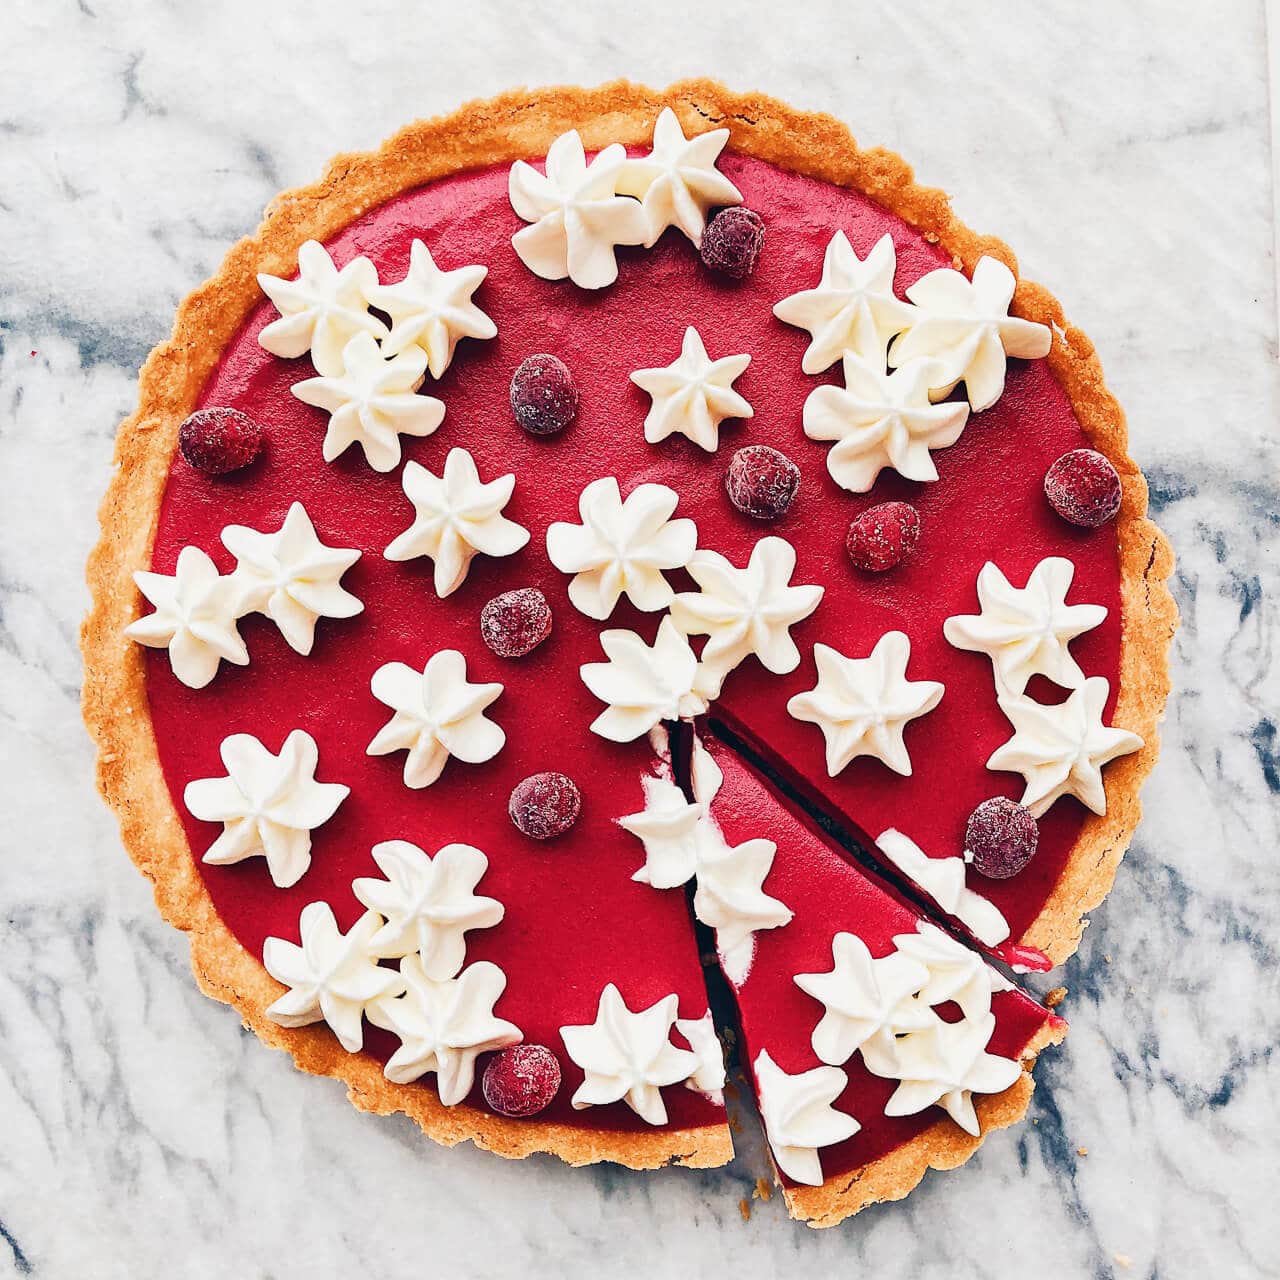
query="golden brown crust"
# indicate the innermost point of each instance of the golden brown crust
(520, 124)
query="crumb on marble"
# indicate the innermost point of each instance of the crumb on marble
(1055, 997)
(1082, 1151)
(744, 1208)
(1122, 1260)
(764, 1189)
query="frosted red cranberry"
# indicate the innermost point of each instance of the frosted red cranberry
(515, 622)
(521, 1080)
(762, 482)
(1083, 488)
(545, 805)
(216, 441)
(883, 536)
(731, 242)
(543, 395)
(1000, 838)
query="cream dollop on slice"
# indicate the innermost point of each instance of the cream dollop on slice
(332, 977)
(371, 402)
(628, 1057)
(268, 804)
(964, 328)
(438, 714)
(800, 1117)
(674, 834)
(194, 617)
(578, 218)
(955, 972)
(708, 1076)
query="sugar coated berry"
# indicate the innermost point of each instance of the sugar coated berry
(543, 395)
(216, 441)
(515, 622)
(883, 536)
(1083, 488)
(761, 481)
(521, 1080)
(1000, 838)
(545, 805)
(731, 242)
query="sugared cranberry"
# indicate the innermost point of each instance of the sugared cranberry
(515, 622)
(883, 536)
(545, 805)
(761, 481)
(521, 1080)
(543, 395)
(219, 440)
(731, 243)
(1000, 838)
(1083, 488)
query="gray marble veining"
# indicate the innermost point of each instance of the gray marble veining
(1124, 151)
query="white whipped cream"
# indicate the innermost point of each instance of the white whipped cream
(800, 1117)
(879, 420)
(677, 183)
(437, 715)
(1060, 750)
(674, 833)
(322, 310)
(862, 705)
(708, 1077)
(432, 309)
(268, 804)
(332, 977)
(194, 618)
(456, 515)
(371, 402)
(955, 972)
(693, 395)
(622, 547)
(1026, 632)
(578, 218)
(965, 329)
(291, 576)
(853, 310)
(628, 1057)
(427, 904)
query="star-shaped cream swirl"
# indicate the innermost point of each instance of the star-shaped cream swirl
(437, 715)
(444, 1025)
(456, 515)
(621, 547)
(428, 904)
(677, 183)
(693, 395)
(194, 618)
(800, 1117)
(322, 310)
(709, 1076)
(965, 328)
(853, 310)
(674, 834)
(432, 309)
(1026, 632)
(745, 611)
(371, 402)
(1060, 750)
(269, 804)
(332, 977)
(862, 705)
(628, 1057)
(291, 576)
(879, 420)
(956, 974)
(578, 218)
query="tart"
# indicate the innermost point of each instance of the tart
(498, 458)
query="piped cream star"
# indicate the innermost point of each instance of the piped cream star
(1026, 632)
(709, 1075)
(730, 899)
(456, 516)
(879, 420)
(800, 1117)
(673, 832)
(437, 715)
(678, 182)
(693, 395)
(853, 310)
(432, 309)
(862, 705)
(269, 804)
(1060, 750)
(371, 402)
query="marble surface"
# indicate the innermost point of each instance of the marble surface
(1124, 151)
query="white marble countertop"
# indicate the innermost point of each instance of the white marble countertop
(1124, 151)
